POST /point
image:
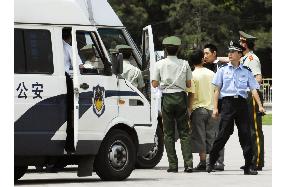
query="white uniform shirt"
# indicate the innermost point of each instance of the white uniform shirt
(132, 74)
(167, 70)
(251, 60)
(68, 58)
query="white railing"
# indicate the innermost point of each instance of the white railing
(266, 89)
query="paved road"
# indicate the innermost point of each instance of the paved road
(232, 176)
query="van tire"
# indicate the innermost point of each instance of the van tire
(152, 159)
(116, 157)
(19, 171)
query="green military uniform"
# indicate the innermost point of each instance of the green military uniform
(252, 61)
(172, 74)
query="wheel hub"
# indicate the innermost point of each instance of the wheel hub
(118, 155)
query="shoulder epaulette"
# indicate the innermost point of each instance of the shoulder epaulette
(247, 68)
(223, 65)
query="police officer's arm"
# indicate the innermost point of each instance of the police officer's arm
(258, 78)
(156, 77)
(253, 85)
(155, 83)
(218, 83)
(256, 69)
(215, 112)
(257, 99)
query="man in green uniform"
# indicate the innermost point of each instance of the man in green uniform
(174, 76)
(255, 118)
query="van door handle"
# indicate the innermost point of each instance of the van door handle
(84, 86)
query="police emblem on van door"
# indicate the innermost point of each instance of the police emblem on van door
(99, 100)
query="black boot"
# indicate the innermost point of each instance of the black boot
(172, 170)
(201, 166)
(250, 171)
(209, 168)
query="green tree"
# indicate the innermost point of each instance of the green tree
(198, 22)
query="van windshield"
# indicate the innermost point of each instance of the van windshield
(115, 36)
(112, 37)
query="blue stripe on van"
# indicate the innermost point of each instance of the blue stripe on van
(111, 93)
(35, 128)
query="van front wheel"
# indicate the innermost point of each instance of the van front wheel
(116, 158)
(19, 171)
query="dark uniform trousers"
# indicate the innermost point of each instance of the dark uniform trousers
(222, 152)
(257, 136)
(233, 110)
(174, 109)
(69, 143)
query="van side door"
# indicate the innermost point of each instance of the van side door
(95, 103)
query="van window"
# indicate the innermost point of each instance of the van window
(90, 53)
(32, 52)
(112, 37)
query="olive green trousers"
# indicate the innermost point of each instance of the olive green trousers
(174, 112)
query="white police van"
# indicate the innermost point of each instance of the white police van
(108, 133)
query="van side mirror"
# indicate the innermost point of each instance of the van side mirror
(117, 63)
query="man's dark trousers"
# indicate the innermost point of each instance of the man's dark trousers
(233, 110)
(255, 120)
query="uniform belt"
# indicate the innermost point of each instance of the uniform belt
(233, 97)
(172, 90)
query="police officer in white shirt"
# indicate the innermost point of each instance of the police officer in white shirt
(67, 47)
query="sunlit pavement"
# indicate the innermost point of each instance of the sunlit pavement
(232, 176)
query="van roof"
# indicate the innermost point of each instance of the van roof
(70, 12)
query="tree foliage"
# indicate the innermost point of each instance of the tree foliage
(198, 22)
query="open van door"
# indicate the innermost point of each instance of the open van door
(95, 88)
(75, 87)
(153, 157)
(148, 63)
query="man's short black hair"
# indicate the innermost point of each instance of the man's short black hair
(172, 50)
(66, 33)
(212, 48)
(196, 57)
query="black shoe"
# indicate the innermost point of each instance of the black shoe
(243, 167)
(172, 170)
(209, 168)
(201, 166)
(258, 168)
(51, 169)
(250, 171)
(188, 170)
(219, 167)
